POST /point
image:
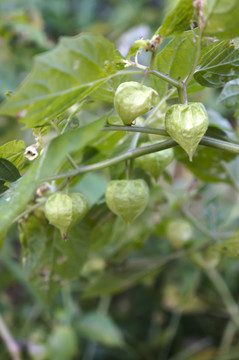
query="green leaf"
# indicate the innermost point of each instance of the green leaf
(138, 45)
(207, 164)
(178, 20)
(176, 60)
(2, 187)
(99, 327)
(12, 204)
(13, 151)
(8, 172)
(61, 77)
(221, 18)
(230, 247)
(229, 96)
(49, 261)
(219, 64)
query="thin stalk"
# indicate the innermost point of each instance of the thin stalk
(225, 294)
(134, 153)
(227, 338)
(171, 81)
(163, 77)
(10, 342)
(130, 154)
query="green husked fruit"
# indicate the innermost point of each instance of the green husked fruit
(63, 211)
(155, 163)
(179, 232)
(79, 207)
(187, 124)
(62, 343)
(133, 99)
(127, 198)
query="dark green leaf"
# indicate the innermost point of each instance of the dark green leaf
(229, 96)
(61, 77)
(219, 64)
(178, 20)
(221, 18)
(2, 187)
(8, 172)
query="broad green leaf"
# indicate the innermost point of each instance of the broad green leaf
(207, 163)
(219, 64)
(221, 18)
(230, 247)
(13, 151)
(176, 60)
(61, 77)
(99, 327)
(48, 260)
(178, 20)
(8, 172)
(229, 96)
(15, 201)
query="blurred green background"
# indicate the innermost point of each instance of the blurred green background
(156, 320)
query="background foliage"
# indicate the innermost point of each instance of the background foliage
(111, 291)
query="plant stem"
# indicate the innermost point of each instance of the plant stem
(171, 81)
(130, 154)
(227, 338)
(11, 344)
(206, 140)
(133, 153)
(225, 294)
(163, 77)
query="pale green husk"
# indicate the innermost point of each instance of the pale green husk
(155, 163)
(133, 99)
(187, 124)
(179, 232)
(127, 198)
(64, 211)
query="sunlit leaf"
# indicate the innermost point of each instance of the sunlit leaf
(177, 20)
(61, 77)
(13, 151)
(221, 18)
(229, 96)
(219, 64)
(176, 60)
